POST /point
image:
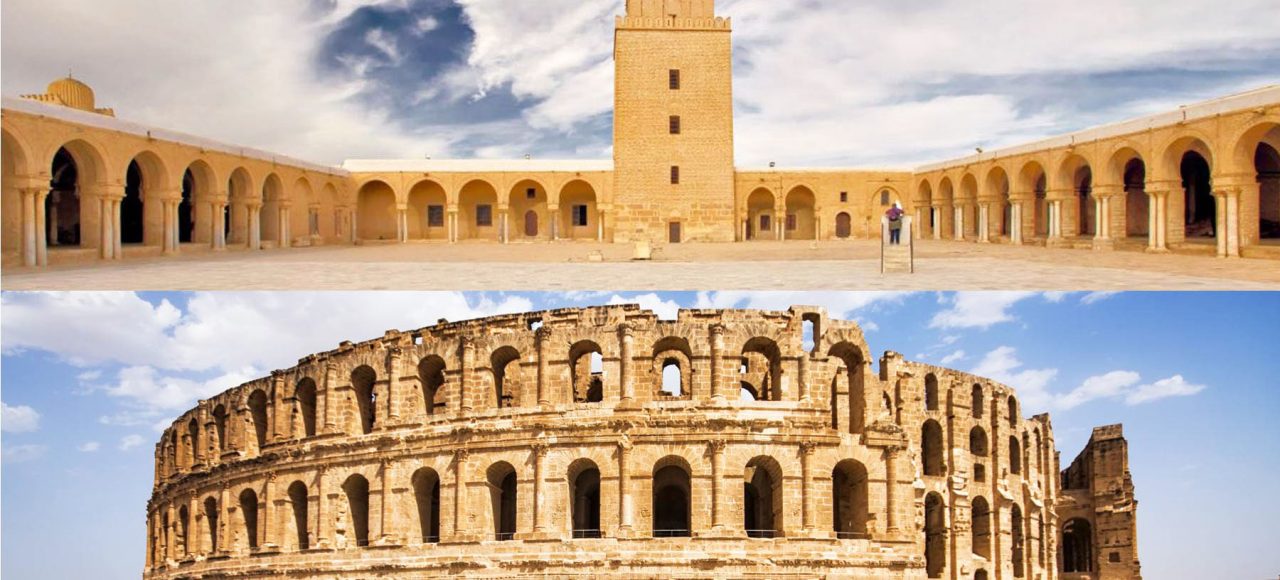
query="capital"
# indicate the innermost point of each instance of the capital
(626, 330)
(540, 449)
(718, 330)
(716, 446)
(543, 333)
(808, 447)
(461, 454)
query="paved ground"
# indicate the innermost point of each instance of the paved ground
(940, 265)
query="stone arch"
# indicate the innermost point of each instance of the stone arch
(999, 190)
(1075, 174)
(761, 218)
(763, 498)
(1188, 163)
(528, 206)
(1018, 541)
(304, 213)
(505, 364)
(672, 506)
(1015, 456)
(673, 352)
(853, 379)
(1077, 546)
(305, 394)
(426, 496)
(184, 532)
(332, 225)
(431, 373)
(193, 443)
(1033, 184)
(585, 357)
(376, 212)
(1128, 168)
(978, 441)
(968, 201)
(583, 477)
(363, 379)
(850, 500)
(356, 489)
(981, 528)
(249, 516)
(212, 517)
(931, 449)
(1013, 412)
(503, 489)
(1257, 155)
(976, 403)
(298, 500)
(220, 426)
(195, 215)
(14, 177)
(802, 216)
(579, 213)
(931, 392)
(258, 403)
(273, 198)
(240, 195)
(844, 225)
(762, 368)
(935, 535)
(141, 210)
(477, 211)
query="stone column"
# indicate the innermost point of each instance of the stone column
(626, 337)
(717, 363)
(1157, 225)
(1228, 222)
(255, 227)
(554, 210)
(322, 511)
(393, 387)
(452, 222)
(936, 214)
(384, 519)
(890, 490)
(539, 504)
(1015, 227)
(171, 535)
(984, 223)
(219, 236)
(803, 371)
(807, 448)
(267, 522)
(543, 338)
(330, 398)
(279, 417)
(717, 486)
(29, 226)
(624, 488)
(224, 496)
(464, 376)
(460, 491)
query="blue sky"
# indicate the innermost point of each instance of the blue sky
(90, 379)
(818, 82)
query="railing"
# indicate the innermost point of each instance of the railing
(671, 534)
(767, 534)
(587, 534)
(504, 536)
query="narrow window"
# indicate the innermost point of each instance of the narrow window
(580, 216)
(675, 124)
(484, 215)
(435, 216)
(531, 193)
(844, 197)
(672, 379)
(675, 175)
(674, 79)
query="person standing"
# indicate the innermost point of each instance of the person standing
(895, 215)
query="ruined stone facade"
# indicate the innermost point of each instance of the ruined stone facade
(607, 442)
(1098, 511)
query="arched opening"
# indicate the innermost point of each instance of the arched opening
(1267, 164)
(762, 368)
(477, 211)
(269, 216)
(186, 217)
(849, 378)
(356, 489)
(748, 393)
(671, 495)
(672, 382)
(195, 215)
(850, 500)
(1201, 209)
(193, 443)
(761, 220)
(531, 224)
(1086, 213)
(258, 412)
(211, 518)
(298, 500)
(584, 489)
(306, 394)
(969, 203)
(502, 493)
(762, 506)
(977, 402)
(981, 528)
(1013, 412)
(671, 358)
(931, 392)
(362, 381)
(844, 225)
(586, 372)
(184, 527)
(924, 195)
(931, 448)
(1001, 218)
(304, 215)
(1019, 540)
(1015, 456)
(1033, 184)
(528, 205)
(978, 441)
(14, 164)
(332, 223)
(249, 515)
(981, 574)
(376, 204)
(579, 218)
(946, 209)
(431, 374)
(239, 188)
(935, 535)
(427, 204)
(426, 494)
(1137, 204)
(62, 207)
(220, 426)
(505, 363)
(132, 214)
(1077, 546)
(801, 217)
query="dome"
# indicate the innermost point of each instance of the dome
(72, 93)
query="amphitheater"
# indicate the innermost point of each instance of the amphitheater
(80, 185)
(606, 442)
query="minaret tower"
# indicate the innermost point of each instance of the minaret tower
(673, 123)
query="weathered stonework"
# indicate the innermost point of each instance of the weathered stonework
(494, 448)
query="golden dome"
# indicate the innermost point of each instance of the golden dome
(72, 93)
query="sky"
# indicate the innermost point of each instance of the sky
(818, 83)
(91, 380)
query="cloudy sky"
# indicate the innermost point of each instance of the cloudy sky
(818, 82)
(90, 381)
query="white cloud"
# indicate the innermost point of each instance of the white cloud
(1174, 386)
(89, 447)
(978, 309)
(379, 39)
(1105, 386)
(838, 304)
(953, 357)
(427, 24)
(130, 441)
(1032, 385)
(1096, 297)
(665, 309)
(22, 453)
(18, 418)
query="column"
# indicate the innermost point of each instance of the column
(170, 534)
(817, 226)
(322, 511)
(279, 417)
(106, 228)
(626, 336)
(117, 240)
(1157, 225)
(29, 228)
(384, 474)
(1228, 222)
(984, 221)
(803, 364)
(807, 449)
(352, 234)
(255, 229)
(505, 232)
(284, 234)
(555, 222)
(464, 375)
(393, 388)
(1015, 227)
(624, 492)
(958, 224)
(460, 491)
(717, 486)
(891, 484)
(543, 337)
(267, 520)
(717, 362)
(600, 225)
(452, 222)
(539, 505)
(330, 398)
(224, 496)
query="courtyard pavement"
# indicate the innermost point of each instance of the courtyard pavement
(940, 265)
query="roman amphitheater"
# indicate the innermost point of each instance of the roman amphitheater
(80, 185)
(606, 442)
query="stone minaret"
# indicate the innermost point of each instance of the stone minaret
(673, 122)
